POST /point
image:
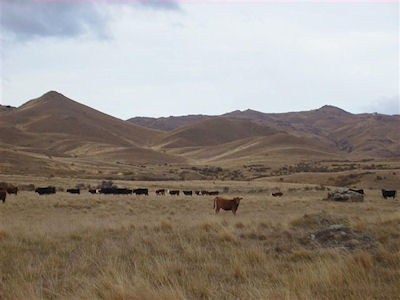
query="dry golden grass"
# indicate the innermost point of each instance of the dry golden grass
(131, 247)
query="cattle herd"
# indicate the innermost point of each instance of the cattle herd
(219, 202)
(111, 191)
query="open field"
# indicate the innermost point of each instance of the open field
(138, 247)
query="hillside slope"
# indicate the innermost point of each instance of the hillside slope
(213, 131)
(167, 123)
(54, 115)
(372, 135)
(54, 134)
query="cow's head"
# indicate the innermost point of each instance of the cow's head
(237, 200)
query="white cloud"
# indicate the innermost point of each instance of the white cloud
(385, 105)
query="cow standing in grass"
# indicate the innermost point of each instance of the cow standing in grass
(387, 194)
(12, 190)
(74, 191)
(277, 194)
(226, 204)
(141, 191)
(174, 193)
(3, 195)
(45, 190)
(160, 192)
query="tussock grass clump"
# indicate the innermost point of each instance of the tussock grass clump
(239, 225)
(316, 220)
(3, 235)
(302, 255)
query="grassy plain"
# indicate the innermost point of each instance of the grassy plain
(136, 247)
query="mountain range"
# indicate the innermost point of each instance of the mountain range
(374, 134)
(53, 134)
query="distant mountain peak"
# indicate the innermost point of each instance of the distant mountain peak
(332, 109)
(50, 98)
(243, 113)
(52, 95)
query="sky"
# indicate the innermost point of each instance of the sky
(160, 58)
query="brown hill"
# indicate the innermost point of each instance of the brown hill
(363, 134)
(57, 132)
(213, 131)
(167, 123)
(269, 150)
(53, 115)
(56, 136)
(371, 135)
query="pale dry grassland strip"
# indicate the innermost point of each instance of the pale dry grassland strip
(129, 247)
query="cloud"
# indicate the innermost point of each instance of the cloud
(29, 19)
(159, 4)
(385, 105)
(25, 19)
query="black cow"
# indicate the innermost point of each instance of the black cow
(357, 191)
(174, 192)
(108, 191)
(213, 193)
(115, 191)
(387, 194)
(141, 192)
(277, 194)
(45, 190)
(204, 192)
(93, 191)
(198, 193)
(74, 191)
(188, 193)
(124, 191)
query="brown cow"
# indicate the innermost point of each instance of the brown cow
(160, 192)
(3, 195)
(226, 204)
(278, 194)
(12, 190)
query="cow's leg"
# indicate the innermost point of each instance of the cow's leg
(217, 209)
(234, 212)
